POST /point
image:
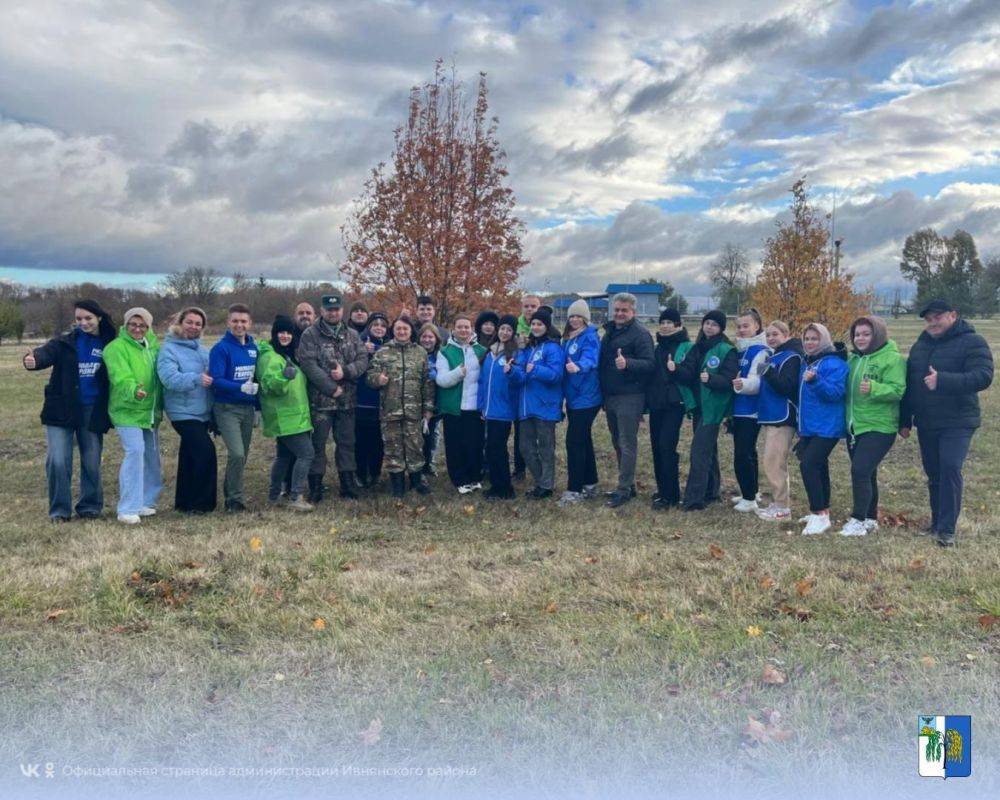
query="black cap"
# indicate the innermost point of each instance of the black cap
(936, 306)
(333, 301)
(508, 319)
(672, 314)
(717, 317)
(544, 314)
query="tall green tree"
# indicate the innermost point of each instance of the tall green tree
(730, 276)
(943, 266)
(669, 296)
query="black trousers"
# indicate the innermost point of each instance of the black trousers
(368, 448)
(520, 465)
(664, 433)
(943, 453)
(463, 447)
(705, 478)
(196, 467)
(745, 432)
(581, 463)
(866, 454)
(814, 464)
(497, 457)
(430, 440)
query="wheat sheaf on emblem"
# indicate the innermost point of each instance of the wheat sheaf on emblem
(953, 746)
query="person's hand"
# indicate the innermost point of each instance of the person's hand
(370, 346)
(808, 375)
(140, 393)
(428, 415)
(289, 372)
(507, 365)
(531, 366)
(206, 380)
(29, 360)
(904, 433)
(337, 373)
(571, 367)
(865, 387)
(338, 391)
(738, 384)
(704, 377)
(620, 361)
(930, 379)
(461, 370)
(383, 379)
(249, 388)
(671, 364)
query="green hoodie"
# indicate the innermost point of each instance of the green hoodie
(284, 404)
(879, 409)
(131, 365)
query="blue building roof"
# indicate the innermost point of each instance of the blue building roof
(635, 288)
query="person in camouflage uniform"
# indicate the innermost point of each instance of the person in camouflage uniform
(400, 370)
(333, 359)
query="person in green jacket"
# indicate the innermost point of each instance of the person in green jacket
(135, 405)
(875, 388)
(284, 409)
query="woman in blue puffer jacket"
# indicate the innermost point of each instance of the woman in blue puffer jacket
(538, 371)
(498, 405)
(822, 396)
(182, 365)
(582, 389)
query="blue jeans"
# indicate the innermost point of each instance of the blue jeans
(139, 479)
(59, 468)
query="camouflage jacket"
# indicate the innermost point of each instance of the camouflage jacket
(320, 348)
(410, 390)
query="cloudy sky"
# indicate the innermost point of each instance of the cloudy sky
(140, 137)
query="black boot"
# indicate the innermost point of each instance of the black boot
(418, 484)
(347, 486)
(315, 488)
(398, 481)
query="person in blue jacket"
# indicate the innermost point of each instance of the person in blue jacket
(182, 365)
(822, 397)
(232, 363)
(538, 372)
(368, 450)
(498, 406)
(751, 344)
(582, 389)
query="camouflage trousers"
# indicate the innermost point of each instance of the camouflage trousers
(403, 442)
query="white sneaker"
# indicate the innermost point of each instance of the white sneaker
(129, 519)
(589, 491)
(735, 498)
(147, 511)
(465, 488)
(853, 527)
(475, 487)
(818, 523)
(806, 518)
(774, 513)
(746, 505)
(871, 525)
(570, 498)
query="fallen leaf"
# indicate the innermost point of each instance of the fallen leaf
(256, 543)
(642, 616)
(801, 614)
(764, 733)
(551, 608)
(419, 510)
(673, 689)
(676, 535)
(987, 621)
(319, 624)
(52, 616)
(928, 661)
(767, 582)
(371, 735)
(917, 565)
(715, 551)
(805, 586)
(193, 564)
(754, 631)
(333, 530)
(279, 676)
(429, 549)
(347, 566)
(470, 510)
(772, 675)
(590, 560)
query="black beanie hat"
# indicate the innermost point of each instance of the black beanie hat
(285, 324)
(544, 314)
(508, 319)
(487, 316)
(672, 314)
(717, 317)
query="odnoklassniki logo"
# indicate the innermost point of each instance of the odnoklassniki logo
(944, 746)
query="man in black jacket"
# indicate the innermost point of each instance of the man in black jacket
(947, 366)
(626, 362)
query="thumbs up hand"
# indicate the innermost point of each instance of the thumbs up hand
(620, 360)
(383, 379)
(29, 360)
(930, 379)
(808, 375)
(738, 384)
(704, 377)
(571, 367)
(530, 366)
(866, 386)
(337, 373)
(671, 364)
(140, 393)
(206, 380)
(507, 364)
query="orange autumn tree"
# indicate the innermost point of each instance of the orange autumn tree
(440, 221)
(797, 282)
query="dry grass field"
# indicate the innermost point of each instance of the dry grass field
(544, 651)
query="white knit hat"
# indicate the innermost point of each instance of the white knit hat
(579, 308)
(139, 311)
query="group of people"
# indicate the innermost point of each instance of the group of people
(383, 390)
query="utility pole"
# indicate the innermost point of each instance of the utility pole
(836, 257)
